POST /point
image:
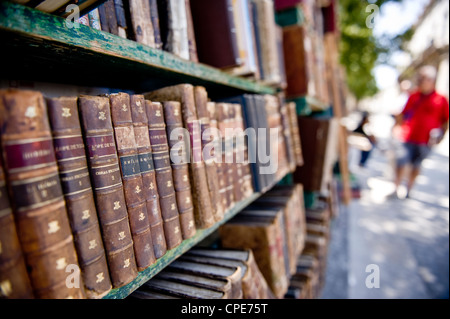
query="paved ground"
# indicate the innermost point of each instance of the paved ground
(407, 240)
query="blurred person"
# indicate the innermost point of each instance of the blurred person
(363, 129)
(421, 125)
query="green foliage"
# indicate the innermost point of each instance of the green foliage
(359, 49)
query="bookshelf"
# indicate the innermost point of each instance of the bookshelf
(173, 254)
(39, 45)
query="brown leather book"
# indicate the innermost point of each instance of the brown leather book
(296, 138)
(14, 281)
(245, 176)
(287, 133)
(201, 103)
(224, 124)
(36, 194)
(132, 180)
(180, 168)
(150, 187)
(95, 115)
(232, 273)
(261, 231)
(215, 33)
(217, 153)
(184, 93)
(142, 27)
(191, 33)
(163, 170)
(76, 184)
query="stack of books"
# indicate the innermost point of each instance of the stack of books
(204, 273)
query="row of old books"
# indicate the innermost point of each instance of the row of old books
(309, 278)
(107, 184)
(237, 36)
(206, 273)
(304, 25)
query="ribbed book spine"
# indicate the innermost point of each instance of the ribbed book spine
(180, 169)
(150, 187)
(108, 188)
(36, 194)
(76, 184)
(132, 180)
(164, 179)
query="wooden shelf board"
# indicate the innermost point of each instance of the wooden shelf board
(39, 43)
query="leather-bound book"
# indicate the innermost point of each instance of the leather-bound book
(287, 134)
(246, 186)
(262, 232)
(227, 151)
(184, 93)
(201, 103)
(217, 284)
(216, 151)
(232, 273)
(180, 290)
(121, 15)
(36, 194)
(174, 27)
(296, 138)
(132, 180)
(215, 33)
(141, 22)
(231, 156)
(103, 162)
(14, 281)
(163, 170)
(191, 33)
(180, 167)
(154, 17)
(76, 184)
(150, 187)
(108, 19)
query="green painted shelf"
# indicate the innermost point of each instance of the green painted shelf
(40, 47)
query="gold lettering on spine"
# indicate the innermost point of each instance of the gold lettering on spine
(5, 288)
(102, 116)
(122, 235)
(61, 263)
(66, 112)
(86, 214)
(100, 278)
(117, 205)
(53, 227)
(141, 216)
(126, 263)
(92, 244)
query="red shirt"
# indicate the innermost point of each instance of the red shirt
(421, 114)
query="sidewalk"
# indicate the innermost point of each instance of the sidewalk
(407, 240)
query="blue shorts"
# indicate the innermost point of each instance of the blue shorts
(414, 154)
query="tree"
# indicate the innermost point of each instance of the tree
(360, 51)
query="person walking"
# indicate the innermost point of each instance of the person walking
(362, 129)
(421, 125)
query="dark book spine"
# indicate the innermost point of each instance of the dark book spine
(36, 194)
(154, 17)
(244, 171)
(150, 188)
(216, 152)
(201, 103)
(121, 16)
(108, 19)
(132, 180)
(108, 188)
(14, 281)
(180, 169)
(164, 179)
(76, 184)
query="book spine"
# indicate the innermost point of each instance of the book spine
(95, 115)
(246, 188)
(14, 281)
(296, 139)
(164, 179)
(150, 188)
(36, 194)
(75, 180)
(216, 152)
(201, 103)
(132, 180)
(121, 17)
(228, 153)
(154, 17)
(190, 33)
(184, 93)
(177, 38)
(141, 22)
(180, 169)
(287, 132)
(108, 19)
(94, 19)
(236, 164)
